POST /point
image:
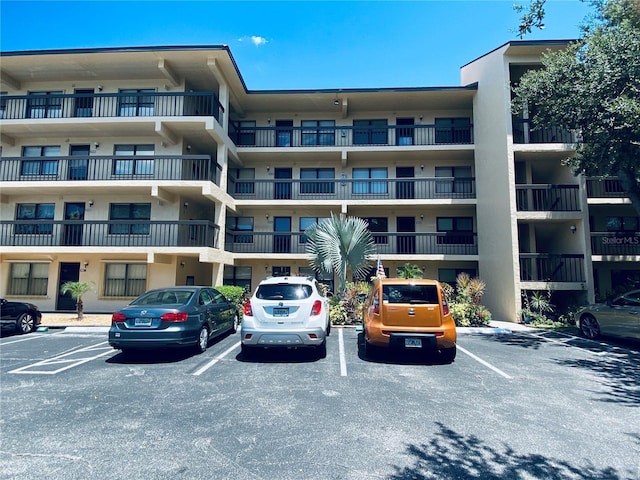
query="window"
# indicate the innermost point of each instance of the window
(245, 184)
(125, 279)
(246, 133)
(318, 132)
(281, 271)
(370, 132)
(453, 130)
(457, 230)
(132, 165)
(83, 99)
(136, 102)
(623, 224)
(458, 180)
(449, 275)
(317, 187)
(28, 278)
(369, 187)
(40, 166)
(139, 212)
(44, 104)
(378, 224)
(306, 222)
(3, 104)
(240, 224)
(37, 213)
(238, 276)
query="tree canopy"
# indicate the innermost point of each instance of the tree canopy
(593, 88)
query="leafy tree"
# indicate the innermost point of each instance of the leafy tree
(410, 270)
(593, 88)
(77, 290)
(337, 244)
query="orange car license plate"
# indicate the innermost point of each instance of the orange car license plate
(413, 343)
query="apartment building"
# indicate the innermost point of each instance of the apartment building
(144, 167)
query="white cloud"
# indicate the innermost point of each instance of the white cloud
(255, 39)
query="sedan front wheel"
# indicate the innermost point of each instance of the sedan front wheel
(26, 323)
(589, 327)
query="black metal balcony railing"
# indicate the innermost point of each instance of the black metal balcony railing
(605, 188)
(353, 189)
(386, 243)
(548, 198)
(524, 134)
(102, 105)
(615, 243)
(348, 136)
(178, 167)
(113, 233)
(545, 267)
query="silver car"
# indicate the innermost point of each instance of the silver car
(286, 312)
(619, 317)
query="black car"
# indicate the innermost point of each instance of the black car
(20, 317)
(173, 317)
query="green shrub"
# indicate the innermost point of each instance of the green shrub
(465, 301)
(237, 295)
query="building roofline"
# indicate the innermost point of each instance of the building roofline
(337, 91)
(523, 43)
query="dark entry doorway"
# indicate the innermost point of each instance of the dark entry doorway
(74, 223)
(406, 243)
(69, 272)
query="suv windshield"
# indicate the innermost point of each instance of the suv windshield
(284, 291)
(410, 294)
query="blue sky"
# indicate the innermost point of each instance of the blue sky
(296, 44)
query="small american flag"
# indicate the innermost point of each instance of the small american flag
(380, 269)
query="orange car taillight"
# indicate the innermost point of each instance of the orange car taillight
(248, 311)
(317, 308)
(174, 317)
(445, 307)
(118, 317)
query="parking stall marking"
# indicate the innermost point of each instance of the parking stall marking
(343, 360)
(211, 363)
(39, 368)
(33, 336)
(485, 363)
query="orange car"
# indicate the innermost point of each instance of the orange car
(409, 314)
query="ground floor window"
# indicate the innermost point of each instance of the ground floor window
(125, 279)
(28, 279)
(238, 277)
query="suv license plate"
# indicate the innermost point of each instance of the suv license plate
(142, 322)
(281, 312)
(413, 343)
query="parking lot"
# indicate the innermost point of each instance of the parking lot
(515, 405)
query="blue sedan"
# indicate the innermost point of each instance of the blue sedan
(173, 317)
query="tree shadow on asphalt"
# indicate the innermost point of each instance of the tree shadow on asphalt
(451, 455)
(617, 363)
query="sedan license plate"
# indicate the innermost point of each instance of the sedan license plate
(281, 312)
(413, 343)
(142, 322)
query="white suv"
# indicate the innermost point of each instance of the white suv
(286, 312)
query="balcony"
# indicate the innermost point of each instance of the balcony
(108, 105)
(349, 136)
(545, 267)
(605, 188)
(548, 198)
(119, 234)
(615, 243)
(350, 189)
(386, 243)
(116, 168)
(524, 134)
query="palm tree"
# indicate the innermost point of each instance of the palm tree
(340, 243)
(76, 290)
(410, 270)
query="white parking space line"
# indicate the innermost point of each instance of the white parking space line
(566, 344)
(343, 360)
(486, 364)
(207, 366)
(34, 369)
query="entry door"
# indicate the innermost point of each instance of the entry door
(405, 188)
(282, 189)
(284, 133)
(69, 272)
(74, 223)
(404, 132)
(406, 243)
(78, 167)
(282, 243)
